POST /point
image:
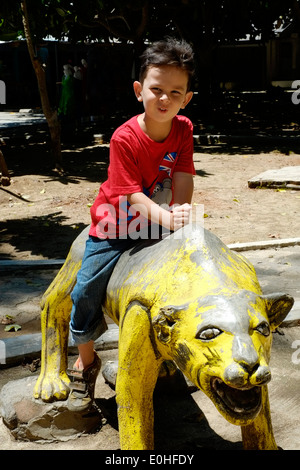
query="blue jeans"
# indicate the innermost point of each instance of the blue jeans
(100, 257)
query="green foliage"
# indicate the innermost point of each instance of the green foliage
(199, 21)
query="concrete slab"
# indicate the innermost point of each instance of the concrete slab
(288, 177)
(17, 349)
(24, 117)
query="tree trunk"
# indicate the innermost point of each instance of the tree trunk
(50, 114)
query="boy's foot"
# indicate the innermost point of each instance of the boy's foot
(82, 386)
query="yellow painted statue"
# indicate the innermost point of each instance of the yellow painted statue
(186, 298)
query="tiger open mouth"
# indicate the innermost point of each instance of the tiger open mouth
(238, 403)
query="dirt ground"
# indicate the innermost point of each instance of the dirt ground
(42, 212)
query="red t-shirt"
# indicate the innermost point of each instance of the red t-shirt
(139, 164)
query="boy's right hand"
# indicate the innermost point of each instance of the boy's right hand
(180, 216)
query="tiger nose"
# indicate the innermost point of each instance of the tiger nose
(235, 376)
(239, 375)
(261, 376)
(249, 367)
(244, 353)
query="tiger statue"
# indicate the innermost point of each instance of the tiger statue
(186, 298)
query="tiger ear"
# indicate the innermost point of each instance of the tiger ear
(164, 322)
(278, 306)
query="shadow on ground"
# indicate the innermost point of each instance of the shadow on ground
(42, 236)
(80, 162)
(180, 425)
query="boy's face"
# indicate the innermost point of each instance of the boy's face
(163, 92)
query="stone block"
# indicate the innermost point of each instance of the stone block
(33, 420)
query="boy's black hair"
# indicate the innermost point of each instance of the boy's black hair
(169, 51)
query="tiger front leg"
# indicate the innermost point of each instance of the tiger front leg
(259, 434)
(53, 380)
(137, 374)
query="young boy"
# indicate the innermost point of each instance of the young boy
(151, 162)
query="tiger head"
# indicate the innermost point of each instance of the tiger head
(223, 344)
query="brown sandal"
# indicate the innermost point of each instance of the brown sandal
(82, 386)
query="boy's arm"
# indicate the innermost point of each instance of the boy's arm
(183, 187)
(183, 191)
(157, 214)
